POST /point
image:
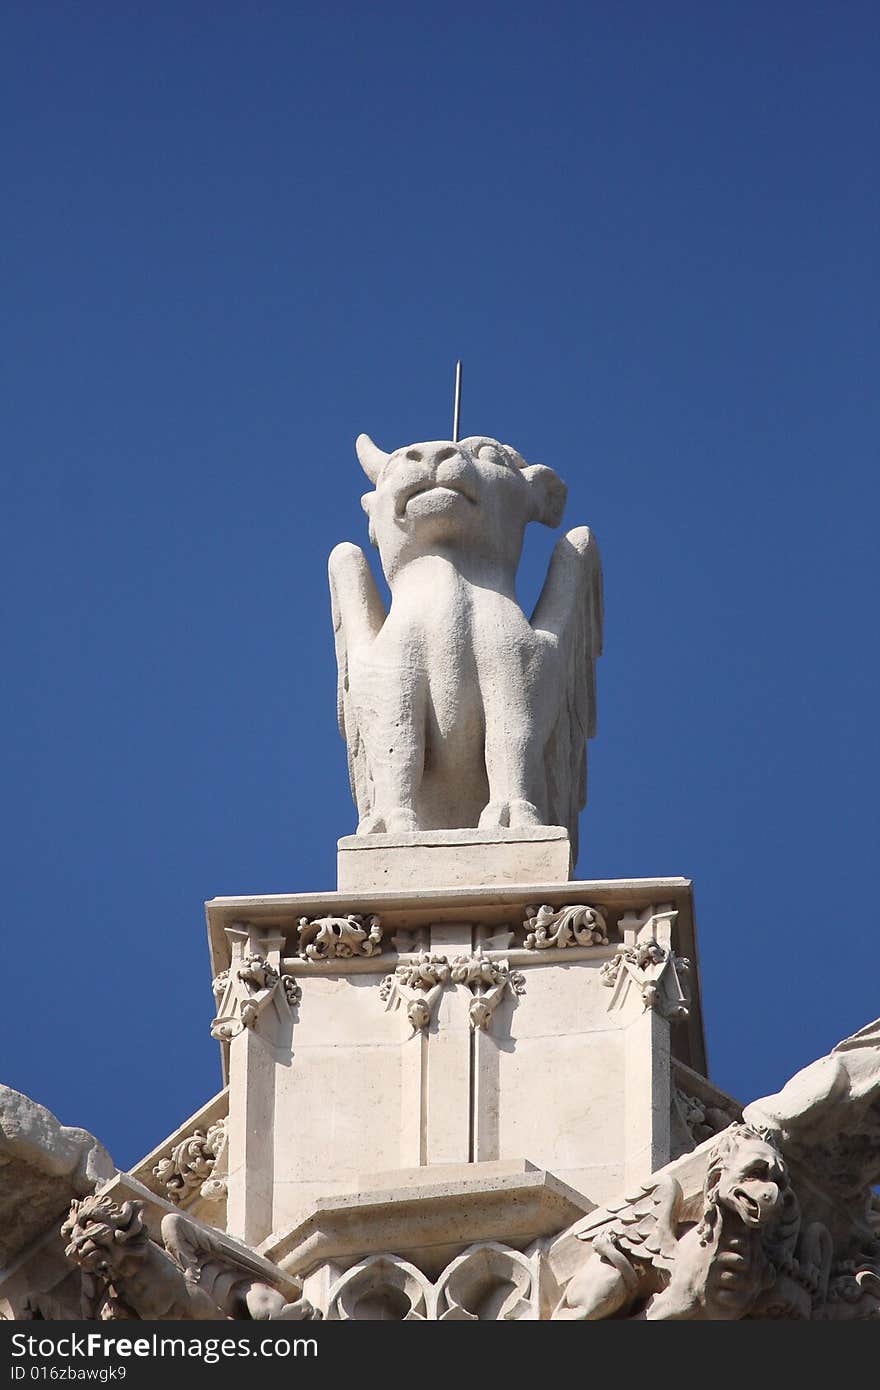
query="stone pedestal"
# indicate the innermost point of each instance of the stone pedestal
(453, 858)
(398, 1037)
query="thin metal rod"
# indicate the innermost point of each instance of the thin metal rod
(456, 414)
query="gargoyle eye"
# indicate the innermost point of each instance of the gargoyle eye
(493, 455)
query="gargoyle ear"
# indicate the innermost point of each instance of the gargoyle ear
(713, 1179)
(549, 493)
(132, 1222)
(367, 504)
(372, 458)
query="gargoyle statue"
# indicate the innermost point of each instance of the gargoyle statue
(828, 1117)
(457, 710)
(647, 1263)
(192, 1275)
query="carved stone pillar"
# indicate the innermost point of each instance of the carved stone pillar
(252, 1065)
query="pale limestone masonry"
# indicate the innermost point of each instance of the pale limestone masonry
(568, 1074)
(461, 1085)
(453, 858)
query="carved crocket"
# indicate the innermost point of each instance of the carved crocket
(458, 710)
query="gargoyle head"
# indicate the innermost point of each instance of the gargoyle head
(476, 496)
(747, 1176)
(99, 1232)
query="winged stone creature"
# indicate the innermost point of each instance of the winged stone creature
(647, 1261)
(193, 1273)
(456, 708)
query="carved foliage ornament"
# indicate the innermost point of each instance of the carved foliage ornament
(701, 1118)
(657, 972)
(489, 980)
(417, 986)
(191, 1163)
(339, 938)
(243, 992)
(569, 926)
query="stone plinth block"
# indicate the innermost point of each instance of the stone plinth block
(430, 1215)
(408, 1029)
(453, 858)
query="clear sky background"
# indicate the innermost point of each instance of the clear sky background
(237, 234)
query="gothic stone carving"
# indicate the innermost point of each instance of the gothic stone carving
(854, 1288)
(511, 701)
(417, 986)
(570, 926)
(243, 992)
(658, 974)
(489, 980)
(329, 938)
(488, 1282)
(190, 1275)
(191, 1163)
(701, 1118)
(647, 1261)
(828, 1117)
(645, 960)
(381, 1288)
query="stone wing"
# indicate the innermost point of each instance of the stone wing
(358, 615)
(214, 1265)
(571, 608)
(643, 1225)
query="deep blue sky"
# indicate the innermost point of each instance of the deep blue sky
(237, 234)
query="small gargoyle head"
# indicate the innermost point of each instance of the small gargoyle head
(99, 1231)
(747, 1175)
(475, 496)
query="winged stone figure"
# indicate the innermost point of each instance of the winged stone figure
(646, 1260)
(456, 708)
(194, 1273)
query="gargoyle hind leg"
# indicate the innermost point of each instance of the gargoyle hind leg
(597, 1291)
(514, 712)
(392, 710)
(517, 781)
(265, 1304)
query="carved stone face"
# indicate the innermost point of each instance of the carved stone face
(99, 1232)
(476, 496)
(752, 1181)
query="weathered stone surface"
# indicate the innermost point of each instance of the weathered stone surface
(43, 1165)
(453, 858)
(828, 1115)
(190, 1272)
(429, 1216)
(457, 710)
(480, 1026)
(783, 1224)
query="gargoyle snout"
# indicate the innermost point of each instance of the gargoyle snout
(767, 1196)
(759, 1198)
(432, 454)
(442, 464)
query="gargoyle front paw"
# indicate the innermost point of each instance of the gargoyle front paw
(496, 815)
